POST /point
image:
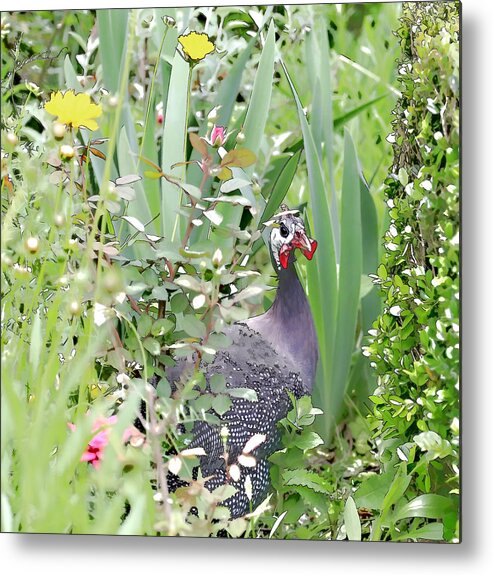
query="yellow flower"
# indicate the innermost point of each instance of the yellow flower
(196, 46)
(74, 110)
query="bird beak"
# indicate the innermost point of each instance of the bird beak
(305, 244)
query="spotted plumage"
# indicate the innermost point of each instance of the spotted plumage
(272, 354)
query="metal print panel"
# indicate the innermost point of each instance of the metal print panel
(230, 272)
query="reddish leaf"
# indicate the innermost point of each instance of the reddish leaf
(97, 153)
(198, 144)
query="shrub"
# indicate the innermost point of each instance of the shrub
(414, 344)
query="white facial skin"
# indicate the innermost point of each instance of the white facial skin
(278, 236)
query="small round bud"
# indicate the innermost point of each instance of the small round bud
(217, 258)
(59, 220)
(111, 282)
(224, 432)
(66, 152)
(59, 130)
(113, 101)
(32, 245)
(74, 307)
(12, 139)
(240, 138)
(213, 115)
(169, 21)
(82, 276)
(111, 188)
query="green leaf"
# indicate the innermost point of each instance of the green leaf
(174, 140)
(344, 118)
(307, 479)
(243, 393)
(230, 86)
(398, 487)
(238, 158)
(434, 445)
(352, 521)
(179, 303)
(193, 326)
(160, 293)
(382, 272)
(258, 107)
(162, 327)
(433, 531)
(321, 278)
(36, 343)
(217, 383)
(237, 527)
(224, 492)
(349, 276)
(372, 491)
(144, 323)
(221, 404)
(366, 286)
(429, 505)
(152, 346)
(307, 440)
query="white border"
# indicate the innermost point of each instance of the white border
(71, 555)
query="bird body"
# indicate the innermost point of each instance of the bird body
(272, 354)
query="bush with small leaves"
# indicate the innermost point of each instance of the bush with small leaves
(414, 344)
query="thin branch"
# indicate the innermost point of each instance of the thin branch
(162, 483)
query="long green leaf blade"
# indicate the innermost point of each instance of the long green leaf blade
(349, 276)
(322, 278)
(174, 145)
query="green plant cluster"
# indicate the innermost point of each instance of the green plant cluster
(127, 247)
(414, 344)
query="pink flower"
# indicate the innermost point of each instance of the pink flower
(218, 136)
(95, 448)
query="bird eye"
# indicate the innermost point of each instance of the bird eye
(284, 231)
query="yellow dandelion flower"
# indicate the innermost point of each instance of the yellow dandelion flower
(76, 110)
(196, 46)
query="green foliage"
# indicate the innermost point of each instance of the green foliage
(125, 253)
(414, 344)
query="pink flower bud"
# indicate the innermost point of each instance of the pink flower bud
(218, 136)
(160, 117)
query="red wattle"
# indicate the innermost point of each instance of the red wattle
(283, 258)
(309, 253)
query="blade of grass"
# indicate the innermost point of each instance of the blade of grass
(370, 304)
(322, 278)
(174, 144)
(341, 120)
(165, 38)
(112, 26)
(322, 122)
(349, 277)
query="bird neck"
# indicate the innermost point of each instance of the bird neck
(290, 302)
(288, 324)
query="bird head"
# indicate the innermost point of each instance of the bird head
(288, 233)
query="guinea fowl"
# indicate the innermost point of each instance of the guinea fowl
(271, 354)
